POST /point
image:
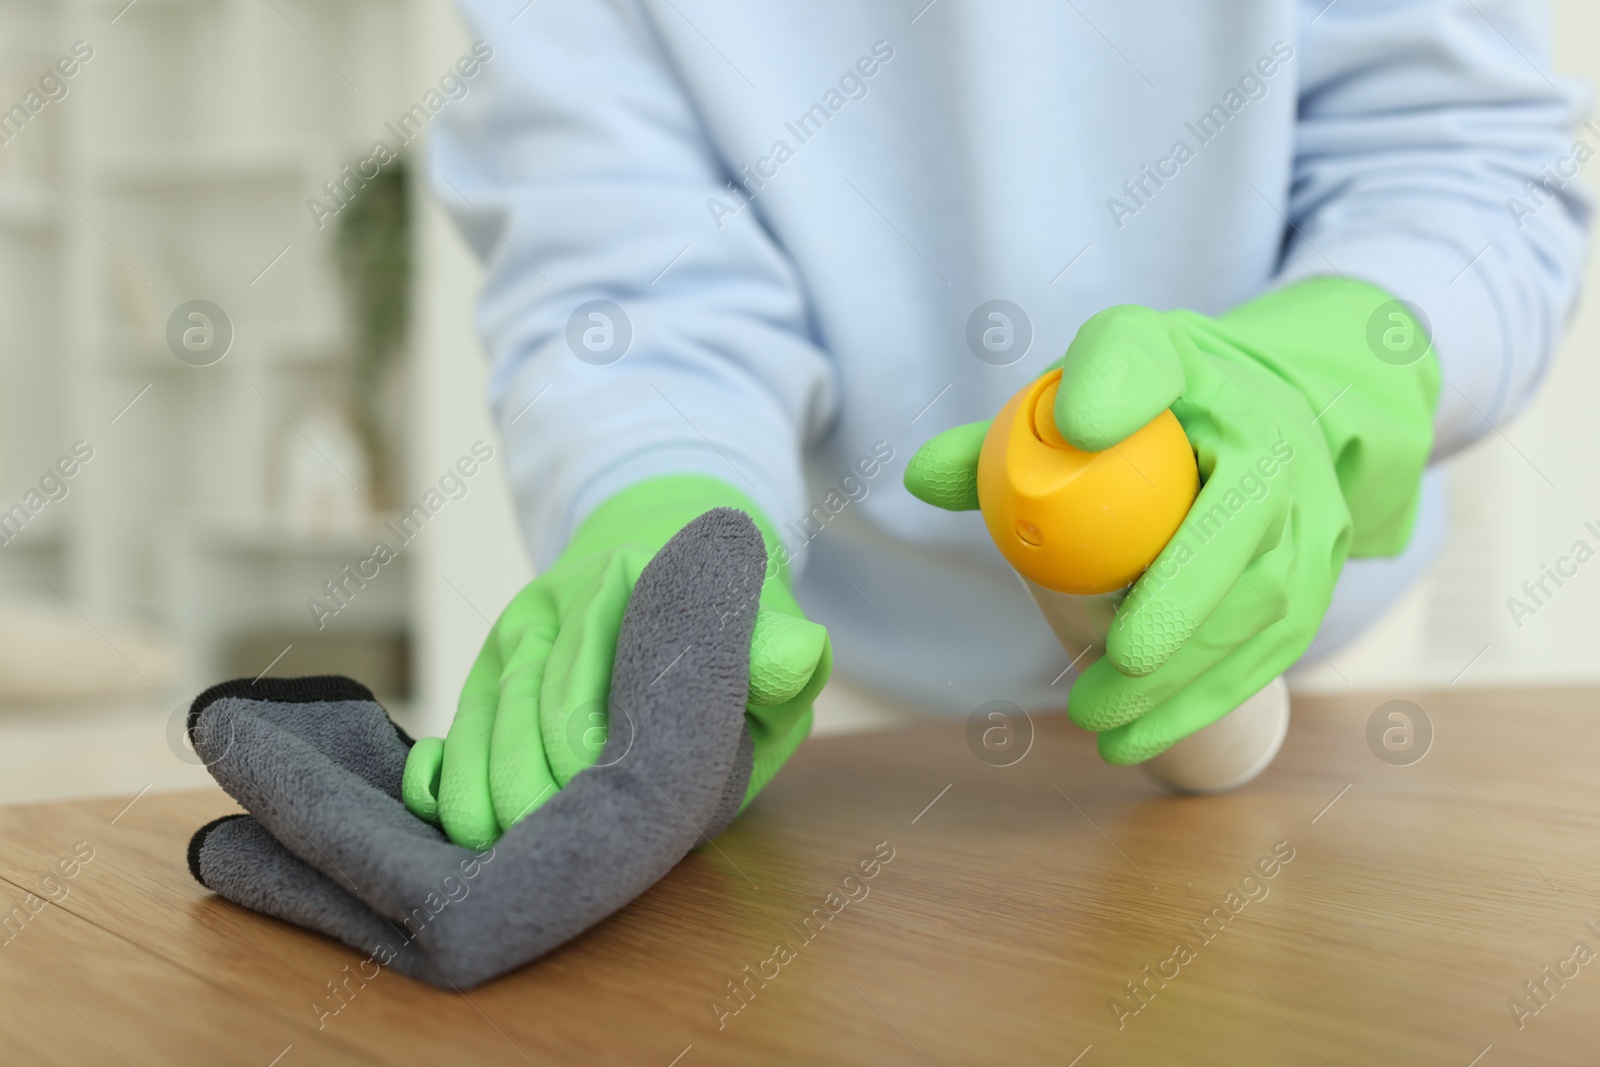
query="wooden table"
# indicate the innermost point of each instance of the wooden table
(1019, 901)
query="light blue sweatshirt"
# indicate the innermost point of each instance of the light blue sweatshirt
(800, 213)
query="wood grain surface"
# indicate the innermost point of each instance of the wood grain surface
(1407, 905)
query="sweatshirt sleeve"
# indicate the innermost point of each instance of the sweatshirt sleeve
(1436, 158)
(629, 335)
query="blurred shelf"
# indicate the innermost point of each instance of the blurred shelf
(174, 169)
(44, 532)
(111, 7)
(32, 560)
(284, 345)
(27, 204)
(185, 164)
(276, 538)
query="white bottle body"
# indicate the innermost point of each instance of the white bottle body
(1223, 756)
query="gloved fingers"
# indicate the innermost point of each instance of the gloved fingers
(1122, 369)
(465, 806)
(944, 471)
(681, 673)
(465, 793)
(419, 786)
(519, 772)
(768, 723)
(1103, 698)
(785, 652)
(424, 774)
(1223, 532)
(778, 729)
(573, 697)
(1209, 697)
(818, 680)
(423, 780)
(595, 846)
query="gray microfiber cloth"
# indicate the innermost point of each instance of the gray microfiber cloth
(329, 845)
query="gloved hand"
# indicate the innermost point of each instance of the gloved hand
(1310, 448)
(328, 844)
(533, 713)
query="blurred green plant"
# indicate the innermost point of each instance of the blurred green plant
(372, 245)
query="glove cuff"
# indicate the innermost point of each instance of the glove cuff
(1374, 400)
(650, 512)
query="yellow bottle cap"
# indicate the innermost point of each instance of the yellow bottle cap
(1081, 522)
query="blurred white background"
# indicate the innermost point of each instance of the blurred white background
(175, 164)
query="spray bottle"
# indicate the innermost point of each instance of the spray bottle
(1080, 527)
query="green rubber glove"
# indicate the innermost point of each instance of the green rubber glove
(1310, 447)
(533, 710)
